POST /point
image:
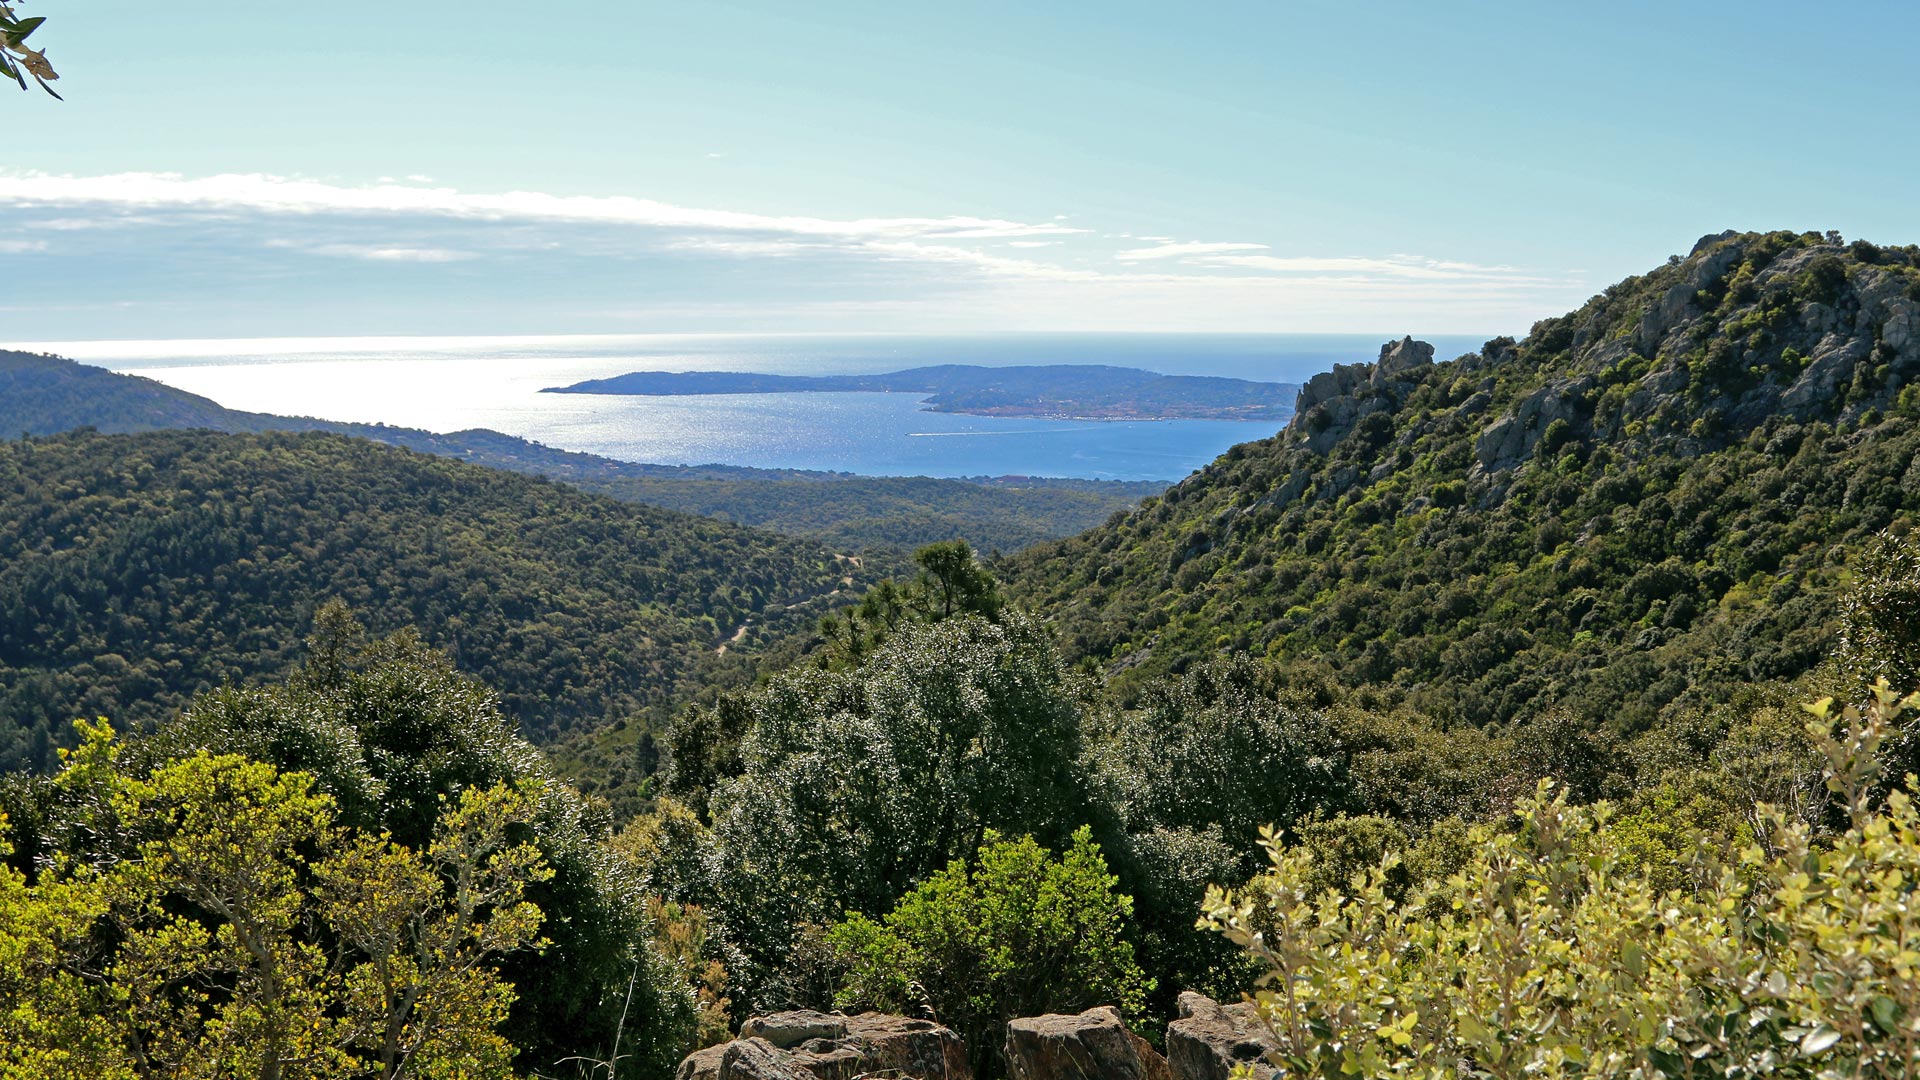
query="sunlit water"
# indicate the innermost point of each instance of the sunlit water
(449, 384)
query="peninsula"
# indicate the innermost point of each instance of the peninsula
(1058, 391)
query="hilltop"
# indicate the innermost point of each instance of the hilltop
(1055, 391)
(1647, 501)
(45, 395)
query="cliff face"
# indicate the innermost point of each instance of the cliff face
(1652, 496)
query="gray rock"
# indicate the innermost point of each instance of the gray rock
(1210, 1040)
(1830, 369)
(1094, 1044)
(741, 1059)
(790, 1029)
(903, 1046)
(808, 1045)
(1902, 324)
(1398, 357)
(1506, 442)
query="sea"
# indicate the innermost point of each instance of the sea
(450, 384)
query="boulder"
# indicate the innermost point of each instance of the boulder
(1210, 1040)
(790, 1029)
(807, 1045)
(903, 1046)
(741, 1059)
(1094, 1044)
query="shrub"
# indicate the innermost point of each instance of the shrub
(1552, 950)
(1021, 933)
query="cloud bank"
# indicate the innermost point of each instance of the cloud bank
(156, 254)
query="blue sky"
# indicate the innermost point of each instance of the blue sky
(428, 167)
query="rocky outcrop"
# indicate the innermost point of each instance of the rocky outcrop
(1095, 1043)
(807, 1045)
(1400, 357)
(1506, 442)
(1210, 1040)
(1332, 402)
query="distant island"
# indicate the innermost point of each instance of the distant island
(1056, 391)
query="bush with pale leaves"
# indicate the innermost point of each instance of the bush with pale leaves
(1554, 952)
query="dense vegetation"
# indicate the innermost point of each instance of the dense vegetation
(1076, 390)
(47, 395)
(136, 570)
(1641, 507)
(1599, 838)
(359, 872)
(1576, 942)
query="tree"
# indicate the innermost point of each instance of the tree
(394, 735)
(1019, 933)
(856, 785)
(53, 1022)
(226, 926)
(953, 583)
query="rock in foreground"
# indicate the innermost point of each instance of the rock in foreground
(1096, 1043)
(1210, 1039)
(808, 1045)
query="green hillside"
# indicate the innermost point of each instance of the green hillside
(1649, 500)
(45, 395)
(138, 569)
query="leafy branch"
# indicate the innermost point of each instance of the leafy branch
(18, 59)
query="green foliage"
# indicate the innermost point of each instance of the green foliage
(857, 785)
(1192, 775)
(1552, 950)
(1880, 617)
(392, 734)
(1664, 539)
(1018, 933)
(1218, 748)
(226, 926)
(951, 583)
(136, 571)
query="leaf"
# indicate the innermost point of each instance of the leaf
(1819, 1039)
(1885, 1013)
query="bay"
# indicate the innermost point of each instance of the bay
(453, 383)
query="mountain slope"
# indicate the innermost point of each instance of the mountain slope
(1650, 499)
(44, 395)
(138, 569)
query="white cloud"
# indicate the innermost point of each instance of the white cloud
(378, 252)
(698, 264)
(261, 192)
(1172, 251)
(1392, 266)
(21, 247)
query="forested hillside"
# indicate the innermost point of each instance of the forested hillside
(136, 570)
(1650, 501)
(46, 395)
(1520, 648)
